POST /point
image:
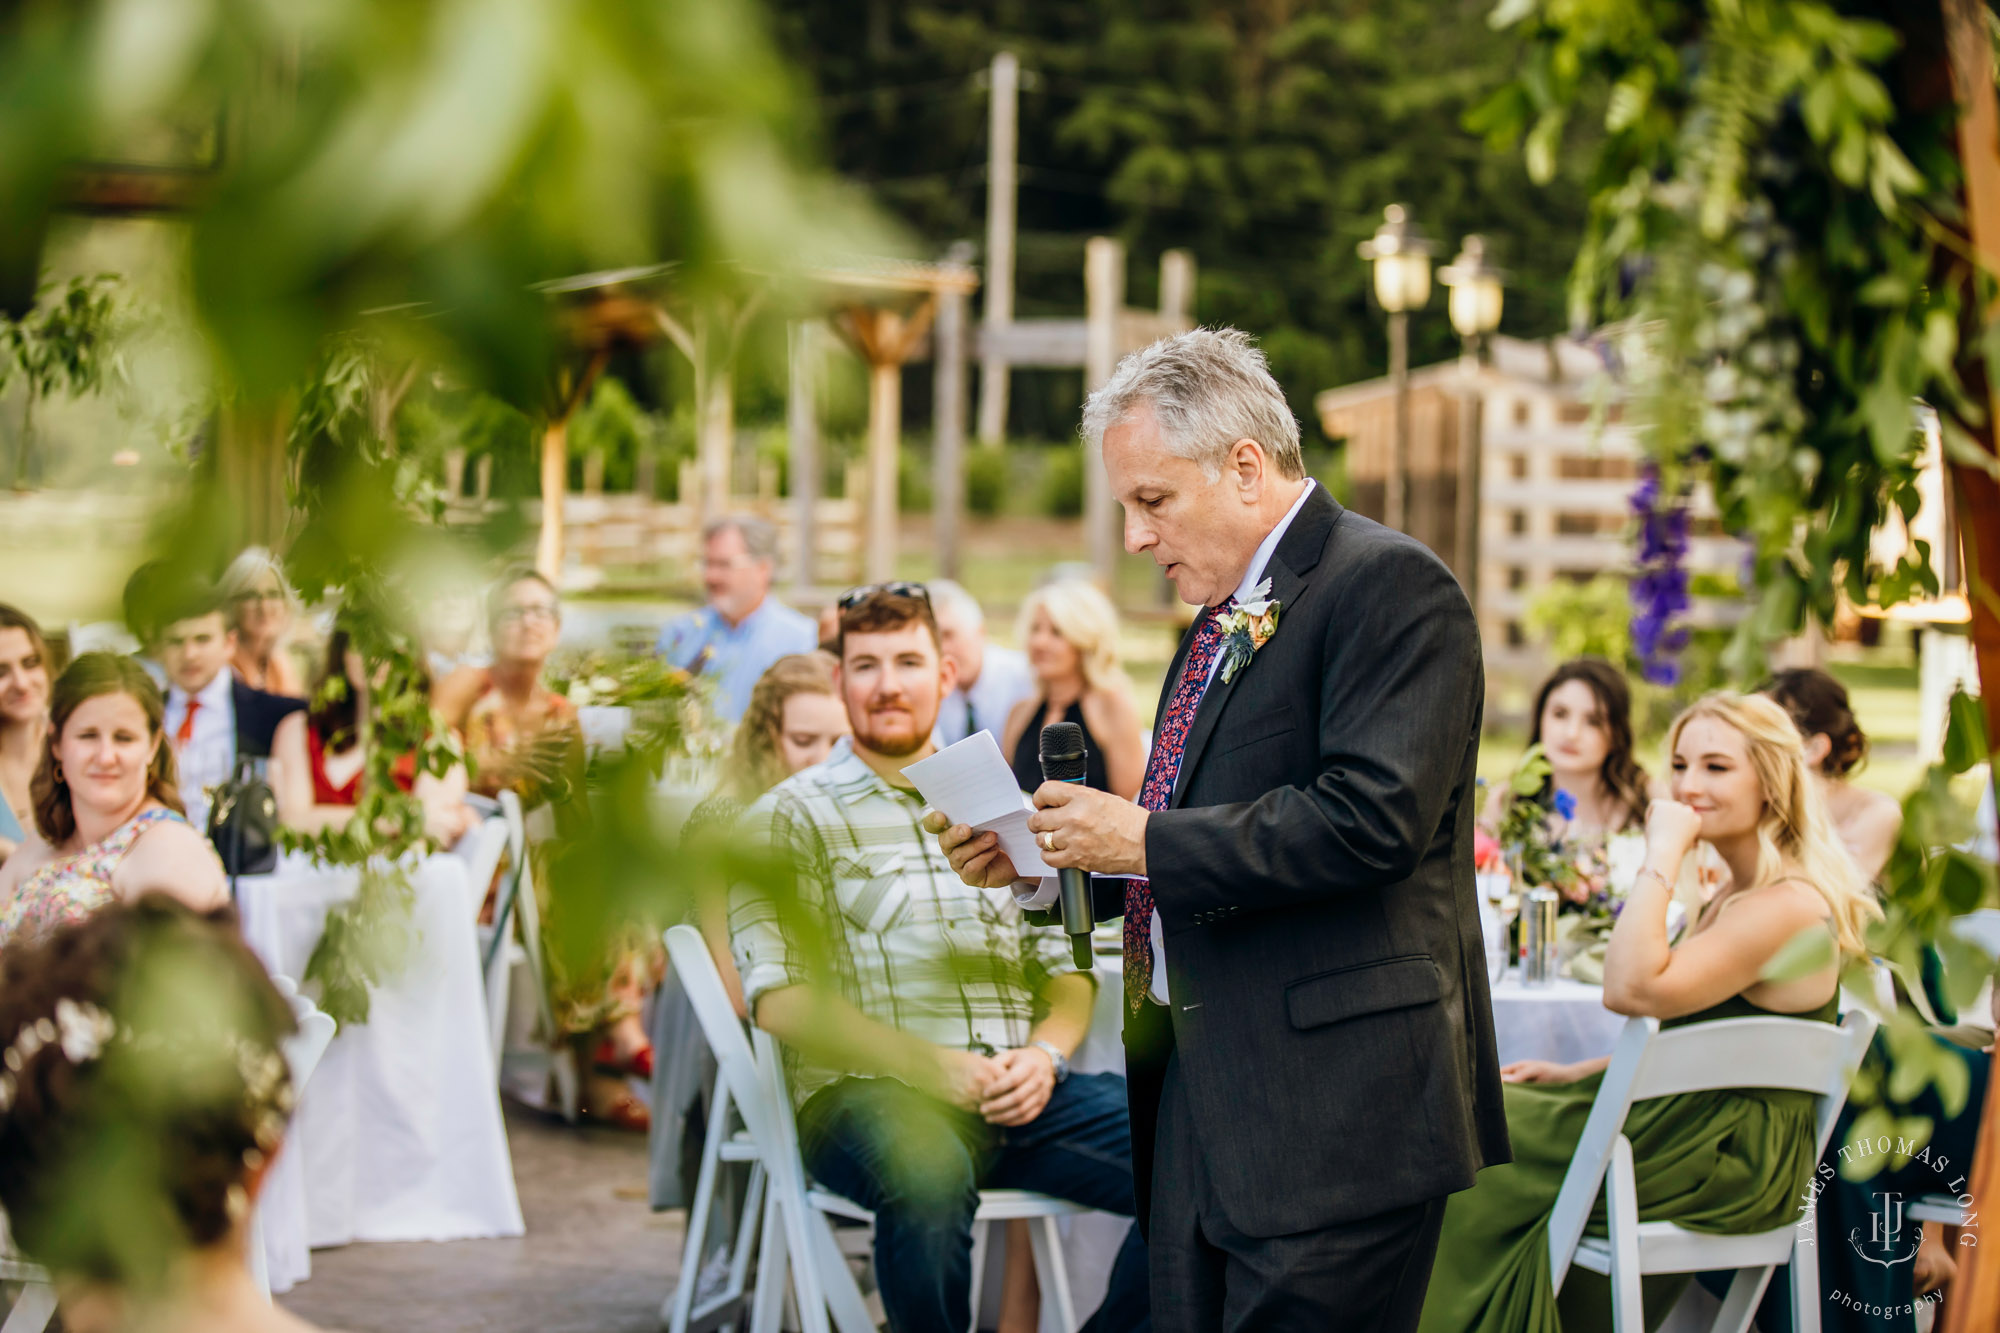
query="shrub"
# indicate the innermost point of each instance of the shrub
(1062, 481)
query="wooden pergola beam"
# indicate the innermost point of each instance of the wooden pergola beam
(1974, 1302)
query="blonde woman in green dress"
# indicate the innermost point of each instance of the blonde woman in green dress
(1721, 1162)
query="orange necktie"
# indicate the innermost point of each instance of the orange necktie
(186, 732)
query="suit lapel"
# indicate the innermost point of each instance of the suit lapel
(1296, 557)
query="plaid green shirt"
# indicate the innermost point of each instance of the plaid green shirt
(883, 919)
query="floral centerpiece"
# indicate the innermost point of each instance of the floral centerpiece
(1592, 874)
(668, 709)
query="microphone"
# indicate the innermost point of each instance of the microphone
(1064, 759)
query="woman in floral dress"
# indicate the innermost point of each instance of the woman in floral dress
(109, 825)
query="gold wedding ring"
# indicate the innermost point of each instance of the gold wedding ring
(1048, 842)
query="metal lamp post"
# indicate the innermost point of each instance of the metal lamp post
(1402, 259)
(1477, 289)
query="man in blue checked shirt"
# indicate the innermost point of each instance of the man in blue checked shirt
(927, 1027)
(743, 629)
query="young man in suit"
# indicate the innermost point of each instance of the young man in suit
(212, 717)
(1309, 1039)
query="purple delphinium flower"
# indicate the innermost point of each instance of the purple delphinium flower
(1565, 804)
(1660, 586)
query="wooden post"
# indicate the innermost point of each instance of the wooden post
(1974, 1303)
(885, 339)
(250, 458)
(1177, 287)
(555, 467)
(715, 413)
(885, 438)
(1104, 301)
(1471, 460)
(1396, 483)
(948, 428)
(802, 430)
(570, 394)
(998, 311)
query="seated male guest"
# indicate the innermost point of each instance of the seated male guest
(928, 1028)
(991, 679)
(734, 639)
(212, 717)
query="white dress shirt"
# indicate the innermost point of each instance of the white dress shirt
(1045, 892)
(1005, 679)
(210, 753)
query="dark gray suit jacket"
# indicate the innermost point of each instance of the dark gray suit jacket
(1313, 876)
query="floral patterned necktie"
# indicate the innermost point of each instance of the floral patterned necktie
(1162, 770)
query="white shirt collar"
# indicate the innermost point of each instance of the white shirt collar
(1269, 546)
(213, 695)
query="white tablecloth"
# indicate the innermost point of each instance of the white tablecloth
(399, 1135)
(1564, 1021)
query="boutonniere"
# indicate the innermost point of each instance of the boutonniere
(1246, 629)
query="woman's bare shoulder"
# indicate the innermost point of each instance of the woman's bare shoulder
(33, 853)
(172, 857)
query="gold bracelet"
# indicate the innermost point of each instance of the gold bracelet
(1665, 883)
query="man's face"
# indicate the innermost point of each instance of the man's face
(736, 581)
(963, 641)
(194, 650)
(892, 682)
(1201, 532)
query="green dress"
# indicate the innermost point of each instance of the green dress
(1723, 1162)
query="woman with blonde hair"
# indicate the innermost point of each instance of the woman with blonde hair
(259, 606)
(1729, 1161)
(1069, 630)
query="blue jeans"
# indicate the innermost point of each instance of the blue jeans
(919, 1165)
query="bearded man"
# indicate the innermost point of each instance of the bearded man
(927, 1027)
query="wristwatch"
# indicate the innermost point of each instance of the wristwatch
(1056, 1057)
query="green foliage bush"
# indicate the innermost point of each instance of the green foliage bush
(987, 473)
(1062, 482)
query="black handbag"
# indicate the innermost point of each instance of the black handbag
(243, 823)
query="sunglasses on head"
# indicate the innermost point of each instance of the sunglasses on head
(854, 597)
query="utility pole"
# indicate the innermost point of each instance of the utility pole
(1002, 148)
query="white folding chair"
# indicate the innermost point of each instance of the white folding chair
(34, 1306)
(303, 1051)
(796, 1233)
(503, 953)
(1786, 1053)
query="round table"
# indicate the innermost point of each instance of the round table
(1563, 1020)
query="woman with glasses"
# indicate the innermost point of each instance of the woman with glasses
(522, 736)
(259, 606)
(519, 734)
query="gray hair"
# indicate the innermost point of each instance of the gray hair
(950, 595)
(251, 564)
(760, 538)
(1208, 388)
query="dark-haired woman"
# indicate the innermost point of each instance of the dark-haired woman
(155, 1240)
(1583, 722)
(24, 721)
(337, 729)
(1868, 822)
(109, 825)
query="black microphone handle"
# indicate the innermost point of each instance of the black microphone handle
(1074, 887)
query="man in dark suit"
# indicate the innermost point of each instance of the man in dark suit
(1308, 1035)
(211, 716)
